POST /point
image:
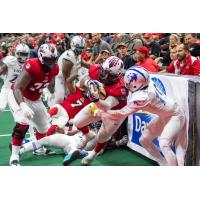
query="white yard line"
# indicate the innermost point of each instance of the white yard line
(5, 135)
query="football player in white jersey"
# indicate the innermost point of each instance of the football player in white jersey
(10, 68)
(70, 62)
(62, 141)
(167, 125)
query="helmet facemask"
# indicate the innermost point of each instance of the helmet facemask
(136, 79)
(78, 45)
(50, 62)
(108, 77)
(79, 50)
(22, 53)
(22, 56)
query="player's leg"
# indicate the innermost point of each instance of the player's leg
(150, 133)
(20, 129)
(60, 90)
(59, 118)
(181, 145)
(168, 136)
(107, 129)
(57, 140)
(40, 122)
(81, 121)
(40, 118)
(34, 145)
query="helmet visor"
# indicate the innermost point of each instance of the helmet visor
(79, 49)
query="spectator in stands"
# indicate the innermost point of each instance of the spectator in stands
(143, 59)
(42, 38)
(153, 45)
(123, 54)
(173, 57)
(60, 46)
(88, 40)
(195, 50)
(191, 38)
(104, 54)
(186, 64)
(136, 41)
(99, 45)
(174, 41)
(1, 54)
(165, 60)
(87, 54)
(4, 49)
(106, 37)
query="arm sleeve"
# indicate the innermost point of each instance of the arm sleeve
(108, 103)
(119, 114)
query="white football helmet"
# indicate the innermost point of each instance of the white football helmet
(111, 69)
(22, 52)
(47, 54)
(77, 44)
(136, 78)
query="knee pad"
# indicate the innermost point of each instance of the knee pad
(19, 131)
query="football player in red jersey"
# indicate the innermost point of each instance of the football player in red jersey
(37, 74)
(60, 114)
(110, 75)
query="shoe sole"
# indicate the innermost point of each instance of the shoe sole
(73, 157)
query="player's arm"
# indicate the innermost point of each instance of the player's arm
(117, 114)
(70, 83)
(108, 103)
(66, 68)
(51, 86)
(3, 68)
(102, 106)
(21, 83)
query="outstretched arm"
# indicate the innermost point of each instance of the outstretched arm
(117, 114)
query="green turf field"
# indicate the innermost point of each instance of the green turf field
(117, 157)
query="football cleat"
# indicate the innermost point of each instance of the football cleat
(71, 157)
(14, 163)
(89, 158)
(83, 153)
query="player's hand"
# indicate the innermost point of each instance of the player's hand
(26, 110)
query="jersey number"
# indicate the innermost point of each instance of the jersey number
(39, 86)
(78, 103)
(13, 79)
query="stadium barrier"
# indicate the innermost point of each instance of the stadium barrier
(185, 90)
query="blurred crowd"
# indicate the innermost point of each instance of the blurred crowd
(154, 51)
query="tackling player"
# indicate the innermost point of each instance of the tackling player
(168, 125)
